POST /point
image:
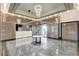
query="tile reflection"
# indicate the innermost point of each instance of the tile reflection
(49, 47)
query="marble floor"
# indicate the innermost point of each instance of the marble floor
(48, 47)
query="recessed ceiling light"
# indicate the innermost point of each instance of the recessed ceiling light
(56, 20)
(9, 13)
(60, 13)
(19, 15)
(13, 14)
(24, 17)
(18, 21)
(50, 16)
(68, 11)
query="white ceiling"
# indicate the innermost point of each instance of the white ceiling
(47, 9)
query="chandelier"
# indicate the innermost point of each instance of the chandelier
(37, 9)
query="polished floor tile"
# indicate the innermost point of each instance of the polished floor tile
(49, 47)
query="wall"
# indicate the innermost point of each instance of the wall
(64, 17)
(52, 29)
(69, 31)
(0, 38)
(8, 31)
(72, 15)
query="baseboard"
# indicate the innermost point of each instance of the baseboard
(8, 40)
(54, 38)
(70, 40)
(63, 39)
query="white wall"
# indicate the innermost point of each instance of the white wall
(72, 15)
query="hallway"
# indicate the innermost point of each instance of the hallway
(39, 29)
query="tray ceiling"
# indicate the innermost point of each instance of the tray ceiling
(27, 9)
